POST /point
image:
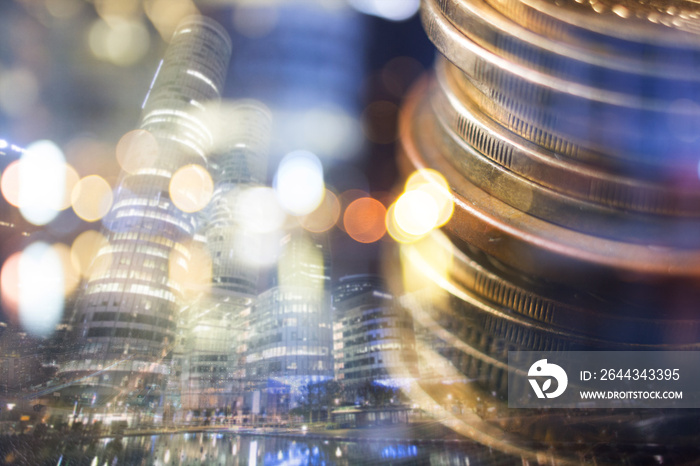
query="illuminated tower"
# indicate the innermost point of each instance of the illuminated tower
(215, 323)
(373, 338)
(289, 343)
(125, 316)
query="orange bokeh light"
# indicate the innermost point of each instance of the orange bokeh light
(9, 286)
(364, 220)
(10, 183)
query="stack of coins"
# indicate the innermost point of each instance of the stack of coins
(569, 134)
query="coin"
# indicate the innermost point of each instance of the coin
(530, 244)
(549, 110)
(576, 62)
(548, 168)
(560, 209)
(652, 25)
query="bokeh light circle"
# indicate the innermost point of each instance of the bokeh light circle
(9, 183)
(136, 150)
(259, 210)
(416, 212)
(41, 289)
(434, 184)
(364, 220)
(41, 191)
(299, 182)
(84, 253)
(92, 198)
(324, 217)
(191, 188)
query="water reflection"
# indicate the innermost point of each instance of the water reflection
(229, 449)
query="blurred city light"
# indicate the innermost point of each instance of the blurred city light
(291, 280)
(260, 210)
(137, 150)
(41, 182)
(191, 273)
(364, 220)
(166, 14)
(71, 275)
(395, 231)
(37, 287)
(299, 182)
(92, 198)
(433, 183)
(65, 8)
(117, 9)
(72, 179)
(325, 216)
(9, 286)
(9, 184)
(394, 10)
(84, 253)
(416, 212)
(119, 41)
(191, 188)
(260, 250)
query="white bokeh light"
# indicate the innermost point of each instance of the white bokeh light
(41, 182)
(299, 182)
(260, 250)
(258, 210)
(41, 288)
(416, 212)
(394, 10)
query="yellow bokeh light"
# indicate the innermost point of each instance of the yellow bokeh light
(110, 9)
(10, 183)
(64, 8)
(395, 230)
(121, 41)
(191, 273)
(71, 276)
(426, 266)
(85, 254)
(92, 198)
(416, 212)
(191, 188)
(434, 184)
(136, 150)
(324, 217)
(166, 14)
(305, 252)
(72, 178)
(9, 286)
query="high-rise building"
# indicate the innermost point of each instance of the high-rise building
(125, 317)
(289, 337)
(214, 324)
(373, 338)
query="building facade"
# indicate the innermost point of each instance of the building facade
(213, 325)
(373, 340)
(289, 337)
(126, 315)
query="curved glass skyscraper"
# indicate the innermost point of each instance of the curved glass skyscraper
(125, 316)
(214, 324)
